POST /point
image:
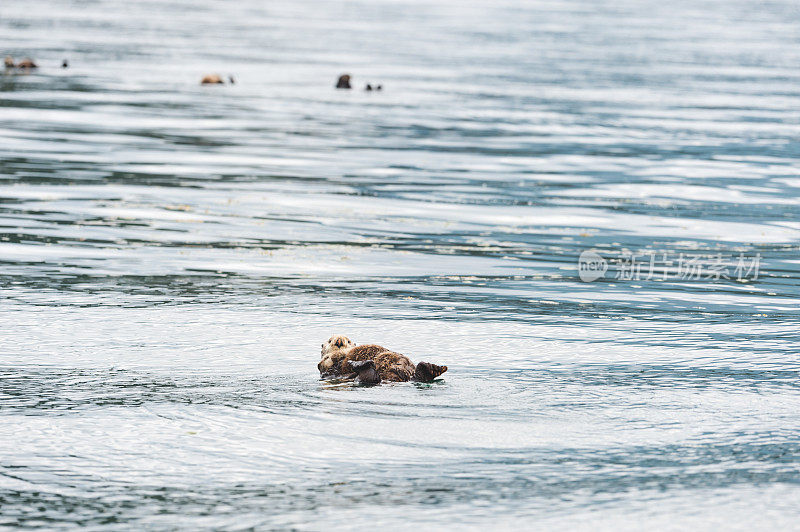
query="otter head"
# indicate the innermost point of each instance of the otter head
(211, 79)
(333, 352)
(343, 82)
(9, 62)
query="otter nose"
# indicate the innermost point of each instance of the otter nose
(339, 342)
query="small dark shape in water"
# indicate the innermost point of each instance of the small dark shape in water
(65, 64)
(379, 88)
(27, 64)
(344, 82)
(231, 80)
(368, 87)
(211, 79)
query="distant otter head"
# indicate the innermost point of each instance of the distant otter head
(344, 82)
(27, 64)
(333, 352)
(9, 62)
(211, 79)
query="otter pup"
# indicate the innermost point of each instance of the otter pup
(339, 349)
(344, 82)
(211, 79)
(371, 364)
(9, 62)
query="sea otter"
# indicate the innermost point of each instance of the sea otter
(211, 79)
(343, 82)
(27, 64)
(371, 364)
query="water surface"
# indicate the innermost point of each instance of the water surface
(173, 255)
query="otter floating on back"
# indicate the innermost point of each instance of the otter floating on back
(371, 364)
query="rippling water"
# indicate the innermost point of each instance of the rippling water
(173, 255)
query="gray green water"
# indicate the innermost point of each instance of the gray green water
(172, 256)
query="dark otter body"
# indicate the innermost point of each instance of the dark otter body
(343, 82)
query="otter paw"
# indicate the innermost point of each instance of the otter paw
(367, 374)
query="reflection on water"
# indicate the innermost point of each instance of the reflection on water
(172, 255)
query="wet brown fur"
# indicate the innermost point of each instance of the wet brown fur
(339, 351)
(364, 352)
(394, 367)
(359, 352)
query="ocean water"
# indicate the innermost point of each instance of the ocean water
(172, 255)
